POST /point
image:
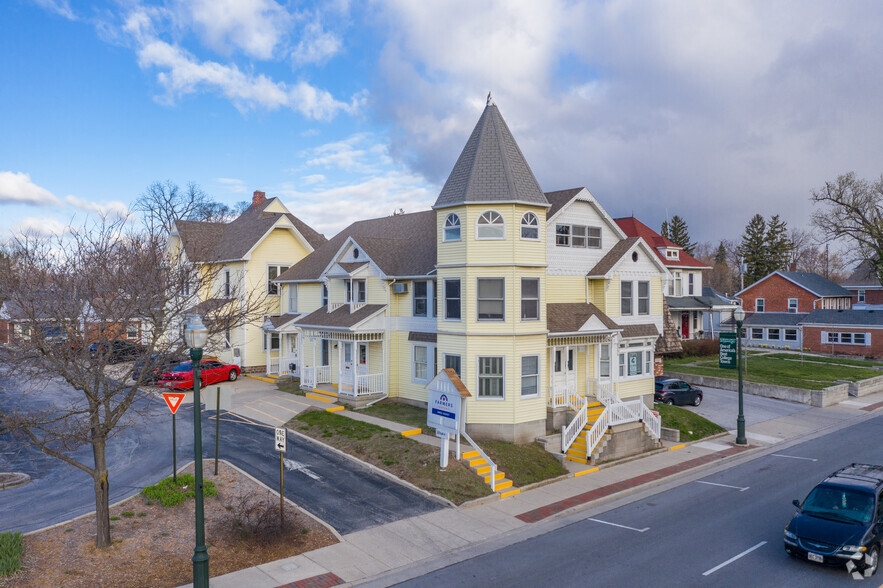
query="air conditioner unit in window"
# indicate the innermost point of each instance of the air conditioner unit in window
(400, 288)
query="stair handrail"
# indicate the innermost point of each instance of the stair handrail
(652, 421)
(596, 433)
(486, 458)
(571, 430)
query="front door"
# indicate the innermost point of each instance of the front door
(685, 325)
(564, 368)
(362, 356)
(292, 354)
(347, 373)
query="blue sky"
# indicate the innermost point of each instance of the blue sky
(714, 111)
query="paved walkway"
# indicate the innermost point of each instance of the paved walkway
(368, 555)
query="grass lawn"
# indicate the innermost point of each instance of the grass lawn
(405, 414)
(691, 425)
(824, 359)
(291, 386)
(774, 370)
(409, 460)
(523, 464)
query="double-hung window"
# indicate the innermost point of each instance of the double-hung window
(452, 300)
(530, 375)
(273, 272)
(226, 283)
(132, 331)
(790, 334)
(632, 363)
(625, 290)
(324, 294)
(643, 297)
(859, 338)
(360, 291)
(530, 299)
(577, 236)
(491, 299)
(490, 377)
(792, 305)
(773, 334)
(562, 235)
(759, 304)
(756, 333)
(604, 361)
(271, 340)
(421, 362)
(292, 297)
(421, 297)
(861, 295)
(690, 283)
(453, 362)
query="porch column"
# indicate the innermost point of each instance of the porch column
(269, 345)
(551, 370)
(339, 363)
(587, 367)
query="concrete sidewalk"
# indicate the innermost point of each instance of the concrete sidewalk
(370, 554)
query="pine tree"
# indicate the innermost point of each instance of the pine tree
(779, 244)
(666, 231)
(753, 249)
(720, 258)
(679, 234)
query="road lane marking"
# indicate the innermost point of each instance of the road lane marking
(286, 408)
(739, 488)
(732, 559)
(275, 418)
(296, 466)
(795, 457)
(620, 526)
(287, 399)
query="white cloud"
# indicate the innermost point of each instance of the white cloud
(233, 185)
(113, 209)
(312, 179)
(316, 45)
(256, 27)
(353, 154)
(40, 227)
(59, 7)
(17, 188)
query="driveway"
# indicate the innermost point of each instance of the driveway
(722, 407)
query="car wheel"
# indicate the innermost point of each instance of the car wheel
(670, 402)
(233, 375)
(697, 401)
(870, 561)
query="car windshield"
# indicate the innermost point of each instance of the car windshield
(659, 387)
(184, 367)
(840, 503)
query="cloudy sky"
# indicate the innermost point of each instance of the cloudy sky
(711, 110)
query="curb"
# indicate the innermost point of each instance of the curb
(18, 479)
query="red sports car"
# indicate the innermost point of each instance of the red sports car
(211, 372)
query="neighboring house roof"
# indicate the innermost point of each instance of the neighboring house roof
(642, 330)
(400, 245)
(858, 318)
(863, 277)
(491, 168)
(559, 198)
(612, 257)
(811, 282)
(709, 292)
(280, 320)
(669, 342)
(769, 319)
(635, 228)
(208, 242)
(569, 317)
(341, 317)
(208, 306)
(689, 302)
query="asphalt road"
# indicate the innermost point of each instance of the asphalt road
(685, 535)
(346, 495)
(721, 407)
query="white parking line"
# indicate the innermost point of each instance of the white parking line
(739, 488)
(732, 559)
(795, 457)
(620, 526)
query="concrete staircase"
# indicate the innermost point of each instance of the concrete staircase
(577, 450)
(328, 396)
(479, 465)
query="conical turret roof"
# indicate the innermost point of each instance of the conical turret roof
(491, 168)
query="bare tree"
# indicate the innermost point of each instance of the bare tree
(851, 208)
(812, 255)
(165, 202)
(71, 297)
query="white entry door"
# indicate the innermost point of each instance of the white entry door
(564, 367)
(347, 372)
(362, 359)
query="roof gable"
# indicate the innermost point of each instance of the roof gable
(619, 252)
(811, 282)
(491, 168)
(563, 199)
(635, 228)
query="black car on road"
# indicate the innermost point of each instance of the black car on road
(841, 521)
(117, 351)
(671, 391)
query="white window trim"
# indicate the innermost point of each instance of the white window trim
(478, 396)
(536, 226)
(502, 225)
(521, 300)
(826, 335)
(751, 331)
(623, 352)
(430, 354)
(477, 305)
(691, 280)
(796, 305)
(861, 295)
(277, 265)
(763, 301)
(414, 299)
(631, 298)
(521, 378)
(226, 284)
(445, 357)
(267, 341)
(785, 334)
(292, 288)
(769, 336)
(445, 300)
(459, 224)
(636, 292)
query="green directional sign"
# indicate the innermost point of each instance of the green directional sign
(727, 351)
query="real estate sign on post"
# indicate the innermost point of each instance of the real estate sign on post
(727, 358)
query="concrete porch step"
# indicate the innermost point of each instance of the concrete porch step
(261, 378)
(325, 392)
(318, 397)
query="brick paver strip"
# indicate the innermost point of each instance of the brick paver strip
(538, 514)
(871, 407)
(320, 581)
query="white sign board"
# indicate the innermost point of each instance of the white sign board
(210, 397)
(443, 411)
(281, 440)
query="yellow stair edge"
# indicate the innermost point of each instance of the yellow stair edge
(261, 378)
(595, 411)
(325, 392)
(576, 459)
(482, 470)
(510, 493)
(575, 452)
(334, 385)
(502, 485)
(470, 454)
(411, 432)
(477, 462)
(498, 476)
(335, 408)
(275, 377)
(317, 397)
(593, 405)
(584, 472)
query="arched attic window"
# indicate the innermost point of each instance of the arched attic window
(530, 226)
(490, 226)
(452, 228)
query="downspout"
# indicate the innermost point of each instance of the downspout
(386, 344)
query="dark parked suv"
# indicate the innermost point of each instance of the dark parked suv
(841, 521)
(671, 391)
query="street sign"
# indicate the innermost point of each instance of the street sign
(281, 439)
(173, 400)
(727, 359)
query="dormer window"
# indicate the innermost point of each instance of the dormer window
(530, 226)
(452, 228)
(490, 226)
(672, 254)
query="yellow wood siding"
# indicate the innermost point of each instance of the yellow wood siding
(632, 388)
(612, 298)
(656, 296)
(565, 289)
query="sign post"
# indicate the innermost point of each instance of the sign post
(173, 401)
(444, 410)
(727, 359)
(221, 400)
(281, 443)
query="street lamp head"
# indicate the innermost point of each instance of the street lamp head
(196, 334)
(739, 315)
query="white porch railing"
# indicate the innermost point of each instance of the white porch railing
(323, 374)
(354, 306)
(652, 421)
(273, 367)
(559, 395)
(571, 431)
(368, 384)
(308, 377)
(285, 364)
(332, 306)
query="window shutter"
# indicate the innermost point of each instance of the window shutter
(868, 339)
(824, 337)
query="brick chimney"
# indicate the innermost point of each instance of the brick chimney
(258, 197)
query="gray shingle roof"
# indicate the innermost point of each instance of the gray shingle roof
(402, 245)
(643, 330)
(559, 198)
(206, 242)
(695, 302)
(568, 317)
(862, 318)
(612, 257)
(280, 320)
(491, 168)
(340, 318)
(769, 319)
(817, 284)
(422, 337)
(862, 276)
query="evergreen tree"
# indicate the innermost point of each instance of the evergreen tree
(753, 249)
(666, 230)
(720, 258)
(679, 234)
(779, 244)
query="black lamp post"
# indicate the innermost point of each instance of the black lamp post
(739, 315)
(196, 335)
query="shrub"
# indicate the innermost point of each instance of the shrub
(168, 493)
(256, 517)
(11, 548)
(699, 347)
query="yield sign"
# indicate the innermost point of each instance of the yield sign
(173, 399)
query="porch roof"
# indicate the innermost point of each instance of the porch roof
(643, 330)
(571, 317)
(606, 263)
(278, 321)
(422, 337)
(340, 318)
